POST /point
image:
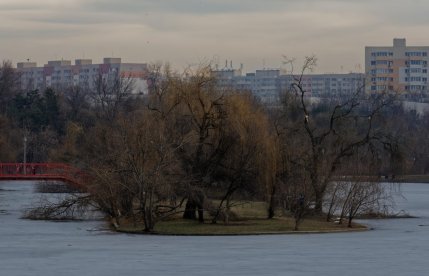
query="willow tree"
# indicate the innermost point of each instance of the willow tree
(202, 118)
(135, 171)
(246, 166)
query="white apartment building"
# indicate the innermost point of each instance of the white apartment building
(268, 84)
(398, 68)
(62, 73)
(327, 85)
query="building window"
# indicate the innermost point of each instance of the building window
(415, 70)
(415, 78)
(415, 62)
(381, 62)
(416, 54)
(381, 54)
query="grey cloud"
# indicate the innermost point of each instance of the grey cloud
(188, 6)
(236, 29)
(67, 19)
(38, 34)
(20, 7)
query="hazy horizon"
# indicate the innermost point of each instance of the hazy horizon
(254, 33)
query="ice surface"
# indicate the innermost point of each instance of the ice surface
(395, 247)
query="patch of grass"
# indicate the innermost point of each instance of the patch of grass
(250, 209)
(242, 227)
(251, 220)
(245, 227)
(248, 227)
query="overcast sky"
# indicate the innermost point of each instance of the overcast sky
(257, 33)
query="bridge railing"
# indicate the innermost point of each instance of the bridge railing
(43, 171)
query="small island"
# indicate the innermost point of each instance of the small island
(249, 219)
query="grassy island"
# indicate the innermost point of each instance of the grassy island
(249, 219)
(243, 227)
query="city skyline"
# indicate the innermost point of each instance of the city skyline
(256, 34)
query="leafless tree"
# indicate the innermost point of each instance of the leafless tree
(109, 94)
(8, 84)
(329, 137)
(202, 119)
(361, 190)
(70, 207)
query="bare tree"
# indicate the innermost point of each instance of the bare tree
(77, 103)
(109, 93)
(361, 192)
(73, 206)
(8, 85)
(331, 136)
(202, 120)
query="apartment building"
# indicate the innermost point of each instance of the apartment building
(398, 68)
(83, 73)
(327, 85)
(268, 84)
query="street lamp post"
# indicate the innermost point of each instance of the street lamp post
(25, 154)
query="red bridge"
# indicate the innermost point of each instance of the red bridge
(43, 171)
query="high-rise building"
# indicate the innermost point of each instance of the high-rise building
(398, 68)
(62, 74)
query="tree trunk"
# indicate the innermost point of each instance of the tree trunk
(219, 208)
(350, 222)
(318, 204)
(148, 220)
(331, 207)
(271, 207)
(200, 213)
(190, 210)
(270, 212)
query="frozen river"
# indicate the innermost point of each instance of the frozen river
(394, 247)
